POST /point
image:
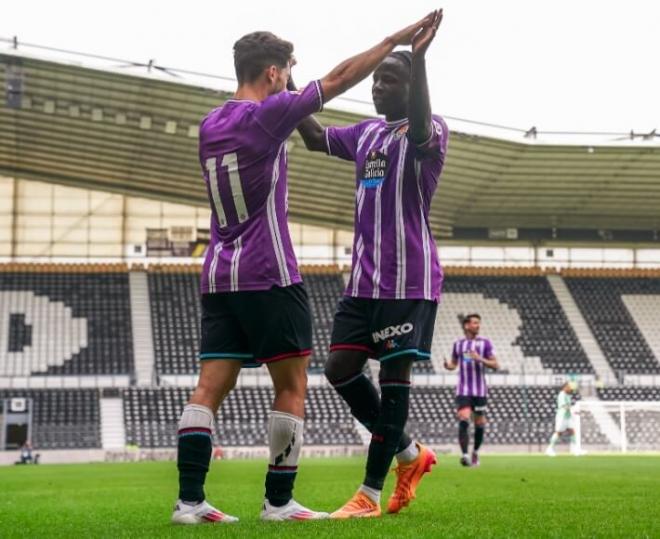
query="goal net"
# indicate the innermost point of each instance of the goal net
(618, 426)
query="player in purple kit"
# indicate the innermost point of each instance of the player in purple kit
(472, 355)
(389, 307)
(254, 307)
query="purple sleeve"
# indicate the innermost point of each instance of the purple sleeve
(342, 142)
(454, 353)
(489, 351)
(436, 145)
(280, 113)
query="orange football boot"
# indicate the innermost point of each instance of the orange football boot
(359, 506)
(408, 476)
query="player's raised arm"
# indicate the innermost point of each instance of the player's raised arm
(348, 73)
(310, 128)
(351, 71)
(419, 112)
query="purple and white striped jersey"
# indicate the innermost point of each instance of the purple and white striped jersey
(471, 374)
(242, 150)
(394, 254)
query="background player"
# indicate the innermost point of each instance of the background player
(564, 420)
(472, 354)
(254, 307)
(388, 311)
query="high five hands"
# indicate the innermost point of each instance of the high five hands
(423, 38)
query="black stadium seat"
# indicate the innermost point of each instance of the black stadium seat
(151, 417)
(175, 321)
(545, 331)
(175, 315)
(516, 415)
(102, 300)
(62, 418)
(601, 303)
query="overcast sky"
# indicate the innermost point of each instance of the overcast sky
(560, 65)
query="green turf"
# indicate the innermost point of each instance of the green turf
(509, 496)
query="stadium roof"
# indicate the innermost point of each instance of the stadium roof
(137, 135)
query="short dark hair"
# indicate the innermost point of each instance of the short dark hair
(405, 57)
(468, 318)
(256, 51)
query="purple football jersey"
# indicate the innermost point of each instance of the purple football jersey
(394, 254)
(242, 150)
(471, 374)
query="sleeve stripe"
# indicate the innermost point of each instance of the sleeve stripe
(319, 91)
(327, 141)
(434, 132)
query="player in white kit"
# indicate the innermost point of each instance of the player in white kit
(564, 421)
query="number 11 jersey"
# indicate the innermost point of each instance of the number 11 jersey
(242, 150)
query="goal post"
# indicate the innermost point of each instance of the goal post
(618, 426)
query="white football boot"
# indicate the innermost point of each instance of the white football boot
(550, 452)
(201, 513)
(291, 511)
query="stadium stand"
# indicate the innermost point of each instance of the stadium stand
(89, 306)
(545, 338)
(630, 393)
(151, 417)
(602, 302)
(65, 320)
(175, 315)
(175, 312)
(328, 420)
(62, 418)
(516, 415)
(324, 291)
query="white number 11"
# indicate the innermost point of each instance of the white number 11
(230, 161)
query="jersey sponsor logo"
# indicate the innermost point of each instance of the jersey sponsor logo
(375, 170)
(392, 331)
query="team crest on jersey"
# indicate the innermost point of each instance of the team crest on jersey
(375, 170)
(401, 131)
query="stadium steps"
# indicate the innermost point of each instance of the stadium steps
(113, 430)
(581, 328)
(643, 309)
(143, 346)
(605, 422)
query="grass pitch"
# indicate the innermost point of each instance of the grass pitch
(509, 496)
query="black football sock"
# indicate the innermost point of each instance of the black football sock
(463, 436)
(279, 486)
(478, 436)
(362, 398)
(194, 451)
(387, 431)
